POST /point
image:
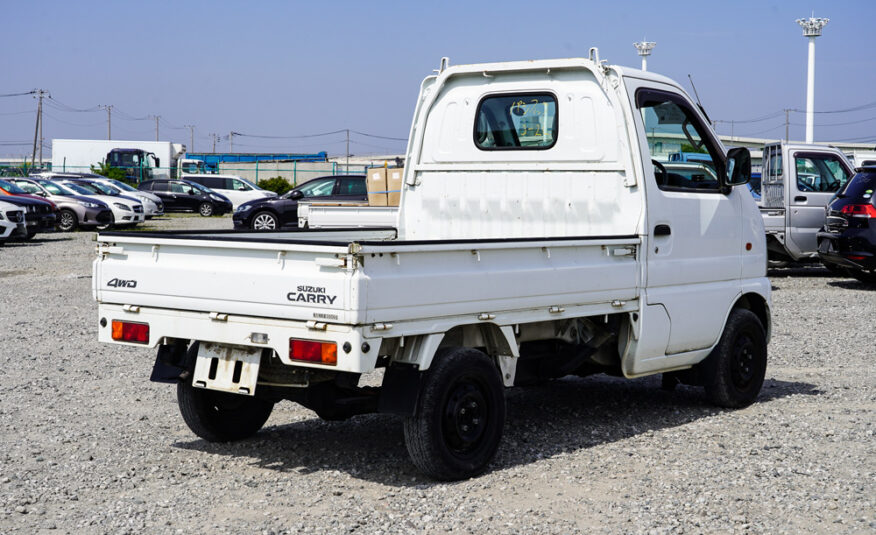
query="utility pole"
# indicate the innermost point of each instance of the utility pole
(38, 128)
(644, 48)
(787, 124)
(156, 117)
(811, 29)
(231, 141)
(214, 142)
(109, 120)
(191, 128)
(348, 150)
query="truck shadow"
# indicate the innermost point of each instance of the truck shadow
(543, 421)
(853, 284)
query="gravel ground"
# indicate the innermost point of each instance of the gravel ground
(89, 445)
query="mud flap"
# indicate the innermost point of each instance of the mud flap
(170, 364)
(400, 390)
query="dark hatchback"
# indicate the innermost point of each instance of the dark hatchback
(278, 212)
(847, 243)
(185, 196)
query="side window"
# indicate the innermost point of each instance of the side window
(819, 172)
(672, 127)
(515, 122)
(352, 186)
(177, 187)
(52, 188)
(319, 188)
(237, 185)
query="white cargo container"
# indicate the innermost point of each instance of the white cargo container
(78, 155)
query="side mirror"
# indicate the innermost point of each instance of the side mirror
(296, 195)
(738, 166)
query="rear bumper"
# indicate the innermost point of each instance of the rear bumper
(238, 331)
(854, 248)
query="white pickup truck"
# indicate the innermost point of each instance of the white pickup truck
(536, 239)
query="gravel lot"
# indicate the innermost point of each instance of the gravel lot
(90, 445)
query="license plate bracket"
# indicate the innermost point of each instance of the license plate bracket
(227, 368)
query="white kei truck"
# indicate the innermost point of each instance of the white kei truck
(537, 238)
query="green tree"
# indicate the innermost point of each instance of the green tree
(109, 171)
(687, 147)
(277, 184)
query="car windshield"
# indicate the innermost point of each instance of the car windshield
(56, 188)
(105, 189)
(121, 185)
(200, 187)
(83, 188)
(11, 188)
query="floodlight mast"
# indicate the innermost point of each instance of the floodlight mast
(811, 28)
(644, 48)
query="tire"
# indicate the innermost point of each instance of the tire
(264, 221)
(29, 236)
(868, 277)
(67, 221)
(205, 209)
(733, 372)
(460, 414)
(109, 225)
(220, 416)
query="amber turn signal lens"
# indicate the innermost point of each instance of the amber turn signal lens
(310, 351)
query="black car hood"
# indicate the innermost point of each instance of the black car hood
(24, 201)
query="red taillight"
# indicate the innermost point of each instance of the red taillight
(126, 331)
(859, 210)
(310, 351)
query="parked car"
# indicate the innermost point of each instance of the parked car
(282, 211)
(74, 210)
(152, 205)
(12, 223)
(126, 210)
(185, 196)
(40, 214)
(847, 243)
(236, 189)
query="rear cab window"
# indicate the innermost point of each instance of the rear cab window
(519, 121)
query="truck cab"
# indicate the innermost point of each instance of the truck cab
(139, 165)
(798, 181)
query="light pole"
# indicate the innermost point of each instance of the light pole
(811, 29)
(644, 48)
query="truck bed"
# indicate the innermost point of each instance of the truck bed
(362, 276)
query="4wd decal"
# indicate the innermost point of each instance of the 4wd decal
(311, 294)
(119, 283)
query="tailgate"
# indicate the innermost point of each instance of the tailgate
(289, 281)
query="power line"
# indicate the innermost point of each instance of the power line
(31, 92)
(288, 137)
(383, 137)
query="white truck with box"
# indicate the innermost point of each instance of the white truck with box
(156, 159)
(536, 238)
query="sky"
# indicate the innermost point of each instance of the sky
(285, 69)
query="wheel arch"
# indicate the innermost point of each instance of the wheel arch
(757, 304)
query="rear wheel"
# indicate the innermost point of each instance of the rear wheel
(735, 369)
(205, 209)
(458, 423)
(264, 221)
(67, 220)
(220, 416)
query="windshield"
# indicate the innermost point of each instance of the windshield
(11, 188)
(105, 189)
(83, 188)
(199, 187)
(121, 185)
(55, 188)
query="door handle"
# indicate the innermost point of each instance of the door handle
(662, 230)
(800, 198)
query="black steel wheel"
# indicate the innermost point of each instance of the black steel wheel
(734, 371)
(221, 416)
(264, 221)
(67, 220)
(205, 209)
(457, 426)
